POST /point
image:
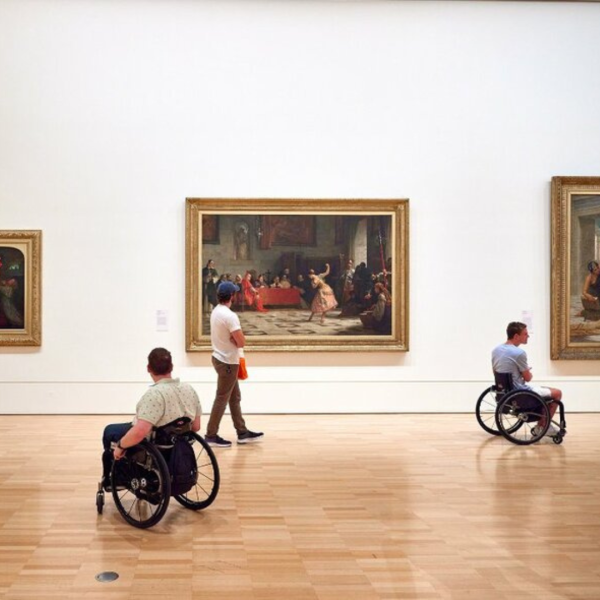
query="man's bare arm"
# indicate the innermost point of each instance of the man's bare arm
(134, 436)
(238, 338)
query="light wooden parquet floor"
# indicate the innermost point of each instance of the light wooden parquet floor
(348, 507)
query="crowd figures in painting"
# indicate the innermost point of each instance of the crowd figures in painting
(303, 275)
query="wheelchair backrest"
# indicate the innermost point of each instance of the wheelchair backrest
(165, 434)
(503, 381)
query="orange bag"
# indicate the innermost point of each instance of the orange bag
(242, 371)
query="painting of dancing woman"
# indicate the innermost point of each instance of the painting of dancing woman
(324, 299)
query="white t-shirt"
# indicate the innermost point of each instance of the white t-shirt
(223, 321)
(508, 358)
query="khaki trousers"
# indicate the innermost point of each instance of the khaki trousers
(228, 393)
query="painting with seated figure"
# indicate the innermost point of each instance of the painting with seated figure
(20, 319)
(312, 274)
(575, 268)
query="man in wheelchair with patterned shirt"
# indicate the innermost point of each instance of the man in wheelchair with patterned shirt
(509, 358)
(165, 401)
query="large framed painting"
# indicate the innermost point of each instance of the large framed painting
(313, 275)
(575, 311)
(20, 288)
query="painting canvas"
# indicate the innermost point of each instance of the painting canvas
(575, 331)
(313, 274)
(287, 230)
(20, 291)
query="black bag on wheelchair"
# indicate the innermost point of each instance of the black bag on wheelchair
(182, 467)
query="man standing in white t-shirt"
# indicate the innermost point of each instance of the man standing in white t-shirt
(509, 358)
(227, 339)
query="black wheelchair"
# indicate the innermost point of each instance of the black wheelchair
(515, 413)
(140, 482)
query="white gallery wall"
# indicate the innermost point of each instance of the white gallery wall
(112, 113)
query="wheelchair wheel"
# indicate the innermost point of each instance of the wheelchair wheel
(485, 410)
(206, 489)
(518, 416)
(141, 486)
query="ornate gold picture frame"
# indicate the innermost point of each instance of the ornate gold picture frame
(575, 308)
(314, 275)
(20, 288)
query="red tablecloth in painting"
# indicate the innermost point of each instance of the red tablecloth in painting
(279, 296)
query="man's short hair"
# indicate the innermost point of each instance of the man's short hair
(160, 361)
(514, 328)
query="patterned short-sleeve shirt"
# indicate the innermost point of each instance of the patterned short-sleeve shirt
(167, 400)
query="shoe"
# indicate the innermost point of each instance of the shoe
(250, 437)
(217, 441)
(552, 431)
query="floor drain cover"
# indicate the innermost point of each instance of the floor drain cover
(107, 576)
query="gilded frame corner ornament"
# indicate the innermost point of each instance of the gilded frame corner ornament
(20, 288)
(575, 242)
(305, 233)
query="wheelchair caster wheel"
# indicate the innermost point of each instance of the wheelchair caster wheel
(99, 501)
(557, 439)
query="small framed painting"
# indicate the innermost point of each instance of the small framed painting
(20, 288)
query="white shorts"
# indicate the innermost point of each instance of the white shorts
(544, 392)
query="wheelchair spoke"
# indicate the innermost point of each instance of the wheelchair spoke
(205, 476)
(206, 491)
(489, 404)
(489, 418)
(143, 507)
(133, 506)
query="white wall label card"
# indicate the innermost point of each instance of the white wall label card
(162, 320)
